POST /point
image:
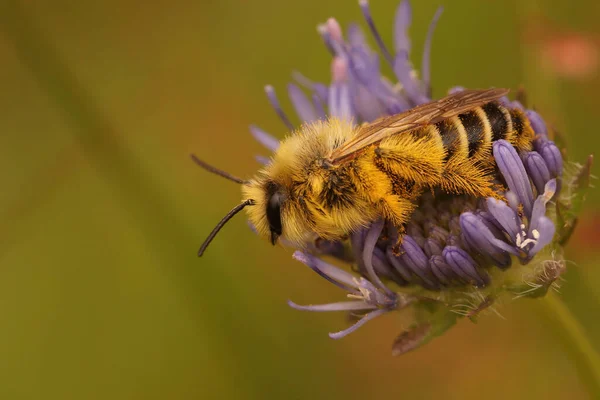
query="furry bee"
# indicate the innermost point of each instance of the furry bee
(331, 178)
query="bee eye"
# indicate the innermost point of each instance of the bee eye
(274, 216)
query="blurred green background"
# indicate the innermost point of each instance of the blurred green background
(101, 293)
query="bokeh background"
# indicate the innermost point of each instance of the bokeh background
(102, 211)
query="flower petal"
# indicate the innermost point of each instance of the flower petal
(546, 229)
(367, 255)
(399, 265)
(270, 91)
(506, 216)
(264, 138)
(319, 108)
(514, 173)
(551, 154)
(410, 84)
(339, 306)
(380, 263)
(482, 240)
(537, 169)
(333, 274)
(366, 103)
(364, 6)
(303, 106)
(339, 93)
(442, 271)
(401, 25)
(539, 207)
(416, 260)
(537, 123)
(463, 265)
(356, 36)
(425, 63)
(358, 324)
(320, 90)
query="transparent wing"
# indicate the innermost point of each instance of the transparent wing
(429, 113)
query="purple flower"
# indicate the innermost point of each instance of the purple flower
(457, 251)
(364, 295)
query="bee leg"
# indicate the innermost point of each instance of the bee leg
(397, 247)
(393, 234)
(396, 211)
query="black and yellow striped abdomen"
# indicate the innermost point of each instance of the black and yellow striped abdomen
(456, 153)
(483, 125)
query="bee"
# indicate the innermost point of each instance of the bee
(331, 178)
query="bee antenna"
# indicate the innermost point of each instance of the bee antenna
(226, 218)
(216, 170)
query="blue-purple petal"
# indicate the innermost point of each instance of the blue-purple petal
(441, 270)
(426, 62)
(401, 268)
(367, 254)
(537, 169)
(401, 25)
(358, 324)
(514, 173)
(537, 123)
(368, 107)
(551, 154)
(364, 6)
(410, 85)
(319, 107)
(339, 102)
(539, 207)
(482, 240)
(270, 91)
(463, 265)
(339, 306)
(505, 215)
(416, 260)
(331, 273)
(546, 230)
(267, 140)
(303, 106)
(356, 36)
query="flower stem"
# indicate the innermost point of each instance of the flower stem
(573, 336)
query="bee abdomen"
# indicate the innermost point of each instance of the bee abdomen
(452, 135)
(499, 119)
(509, 124)
(483, 125)
(522, 133)
(477, 129)
(465, 135)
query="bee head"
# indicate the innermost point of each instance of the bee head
(273, 216)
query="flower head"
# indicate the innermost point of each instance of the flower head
(459, 254)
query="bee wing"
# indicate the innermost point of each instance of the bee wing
(429, 113)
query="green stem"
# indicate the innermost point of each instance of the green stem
(574, 337)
